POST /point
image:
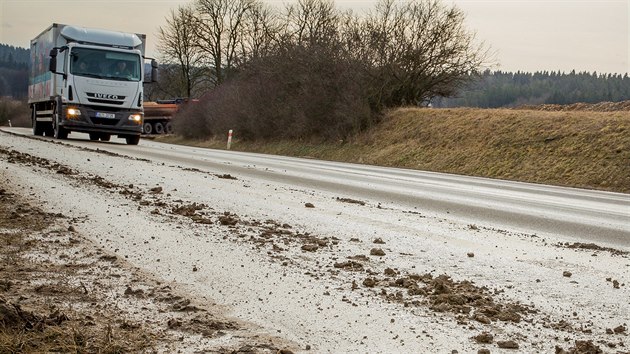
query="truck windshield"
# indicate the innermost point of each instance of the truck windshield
(105, 64)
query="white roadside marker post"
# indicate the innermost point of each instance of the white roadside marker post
(229, 143)
(10, 126)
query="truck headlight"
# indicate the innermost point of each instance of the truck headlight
(72, 112)
(136, 118)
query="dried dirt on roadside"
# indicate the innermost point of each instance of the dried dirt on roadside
(61, 293)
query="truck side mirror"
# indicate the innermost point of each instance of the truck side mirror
(154, 70)
(52, 65)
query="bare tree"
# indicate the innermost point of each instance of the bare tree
(177, 43)
(319, 72)
(311, 21)
(260, 33)
(219, 32)
(414, 50)
(170, 84)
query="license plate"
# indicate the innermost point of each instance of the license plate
(105, 115)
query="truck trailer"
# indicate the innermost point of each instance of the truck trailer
(158, 114)
(88, 80)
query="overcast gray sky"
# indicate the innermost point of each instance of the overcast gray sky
(526, 35)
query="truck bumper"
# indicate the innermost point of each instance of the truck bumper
(84, 119)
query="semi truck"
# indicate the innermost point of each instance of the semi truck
(88, 80)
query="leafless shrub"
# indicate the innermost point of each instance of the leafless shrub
(191, 120)
(298, 92)
(313, 71)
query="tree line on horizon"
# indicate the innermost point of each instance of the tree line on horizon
(492, 89)
(14, 65)
(500, 89)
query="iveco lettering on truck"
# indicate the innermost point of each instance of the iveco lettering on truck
(88, 80)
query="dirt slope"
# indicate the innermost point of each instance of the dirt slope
(579, 149)
(583, 146)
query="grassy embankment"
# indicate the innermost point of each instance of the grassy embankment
(576, 148)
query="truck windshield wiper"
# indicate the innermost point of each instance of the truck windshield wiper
(97, 76)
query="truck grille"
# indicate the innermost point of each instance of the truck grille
(104, 109)
(104, 121)
(95, 100)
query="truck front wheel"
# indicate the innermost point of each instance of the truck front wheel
(169, 128)
(132, 139)
(59, 131)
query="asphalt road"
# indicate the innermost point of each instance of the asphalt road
(586, 215)
(254, 257)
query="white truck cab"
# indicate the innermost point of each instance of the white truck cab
(93, 83)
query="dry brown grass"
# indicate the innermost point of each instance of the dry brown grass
(62, 293)
(580, 149)
(69, 339)
(52, 317)
(576, 148)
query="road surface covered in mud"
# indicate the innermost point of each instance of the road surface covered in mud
(200, 259)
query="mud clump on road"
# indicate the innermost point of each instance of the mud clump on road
(226, 176)
(377, 252)
(228, 219)
(581, 347)
(188, 210)
(484, 338)
(350, 201)
(310, 248)
(203, 325)
(593, 247)
(156, 190)
(443, 294)
(507, 344)
(349, 265)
